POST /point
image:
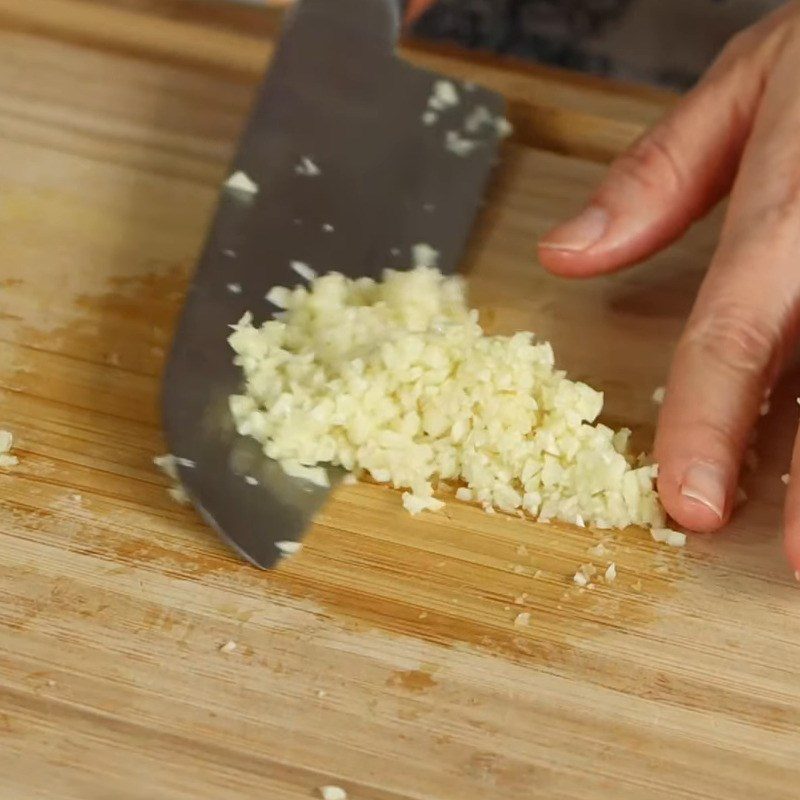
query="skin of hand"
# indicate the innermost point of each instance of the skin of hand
(737, 132)
(416, 8)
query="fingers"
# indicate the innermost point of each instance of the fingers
(669, 178)
(726, 359)
(743, 321)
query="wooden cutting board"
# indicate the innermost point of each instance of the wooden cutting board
(384, 658)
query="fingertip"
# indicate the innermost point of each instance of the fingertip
(696, 497)
(580, 232)
(791, 546)
(597, 243)
(791, 532)
(693, 514)
(571, 248)
(565, 263)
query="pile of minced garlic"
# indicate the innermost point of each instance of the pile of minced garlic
(397, 380)
(6, 458)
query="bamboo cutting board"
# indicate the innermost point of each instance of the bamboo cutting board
(384, 659)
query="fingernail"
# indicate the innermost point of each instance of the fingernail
(706, 484)
(579, 233)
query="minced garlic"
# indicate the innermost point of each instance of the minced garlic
(667, 536)
(242, 182)
(6, 443)
(398, 380)
(332, 793)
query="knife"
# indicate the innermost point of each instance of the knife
(350, 158)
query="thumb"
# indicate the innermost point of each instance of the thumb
(668, 179)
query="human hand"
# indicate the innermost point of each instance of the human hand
(737, 131)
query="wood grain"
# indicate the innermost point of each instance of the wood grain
(384, 658)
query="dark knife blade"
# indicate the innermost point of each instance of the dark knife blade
(349, 178)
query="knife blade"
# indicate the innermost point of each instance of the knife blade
(351, 157)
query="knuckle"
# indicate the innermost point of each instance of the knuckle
(652, 163)
(782, 216)
(772, 225)
(733, 338)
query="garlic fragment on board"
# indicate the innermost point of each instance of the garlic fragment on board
(241, 182)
